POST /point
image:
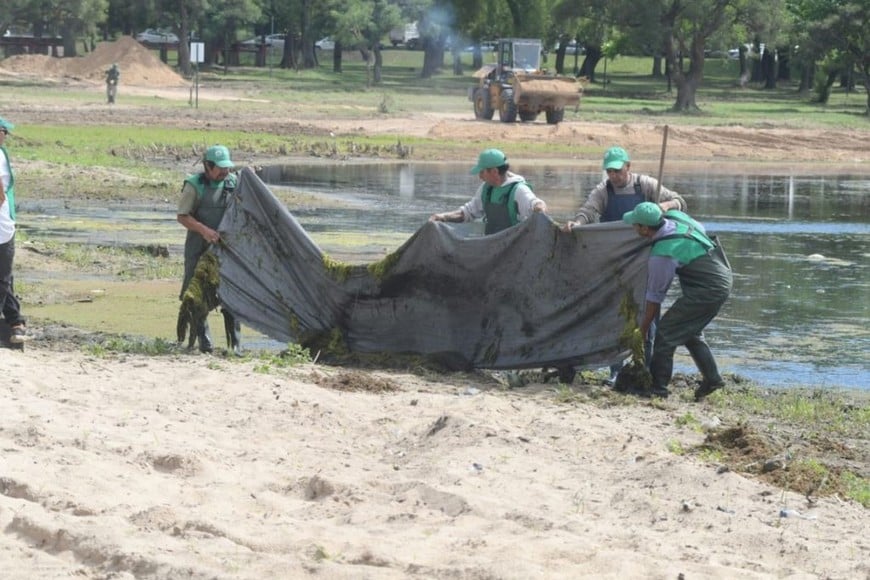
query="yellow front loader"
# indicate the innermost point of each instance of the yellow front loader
(518, 87)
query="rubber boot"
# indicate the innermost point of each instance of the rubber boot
(566, 374)
(661, 367)
(706, 363)
(648, 345)
(614, 372)
(204, 336)
(233, 329)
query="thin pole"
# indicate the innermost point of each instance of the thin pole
(662, 162)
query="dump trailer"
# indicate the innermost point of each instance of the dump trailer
(517, 85)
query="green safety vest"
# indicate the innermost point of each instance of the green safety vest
(500, 207)
(686, 244)
(211, 198)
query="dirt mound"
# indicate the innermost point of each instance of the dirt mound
(138, 65)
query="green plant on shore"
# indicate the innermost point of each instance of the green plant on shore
(857, 488)
(125, 263)
(119, 345)
(689, 420)
(564, 395)
(711, 456)
(820, 410)
(293, 355)
(675, 447)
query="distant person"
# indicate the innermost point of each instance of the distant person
(622, 191)
(9, 304)
(113, 74)
(681, 249)
(504, 199)
(204, 199)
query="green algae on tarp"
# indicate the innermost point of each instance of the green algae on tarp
(381, 268)
(634, 376)
(200, 298)
(339, 270)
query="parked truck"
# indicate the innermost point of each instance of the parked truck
(406, 34)
(517, 86)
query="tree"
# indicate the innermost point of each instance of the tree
(834, 32)
(764, 24)
(363, 23)
(589, 23)
(69, 19)
(685, 29)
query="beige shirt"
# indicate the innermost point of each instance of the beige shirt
(596, 203)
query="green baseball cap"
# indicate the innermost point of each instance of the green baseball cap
(219, 155)
(4, 124)
(615, 158)
(489, 159)
(645, 214)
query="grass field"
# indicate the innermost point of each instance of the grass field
(624, 88)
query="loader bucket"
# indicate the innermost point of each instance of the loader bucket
(544, 93)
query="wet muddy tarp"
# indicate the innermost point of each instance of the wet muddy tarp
(530, 296)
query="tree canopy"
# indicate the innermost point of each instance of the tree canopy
(807, 36)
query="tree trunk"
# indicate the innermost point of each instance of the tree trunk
(477, 58)
(865, 67)
(657, 67)
(593, 55)
(379, 61)
(184, 41)
(806, 78)
(336, 57)
(69, 40)
(784, 66)
(433, 57)
(768, 69)
(456, 59)
(309, 60)
(688, 82)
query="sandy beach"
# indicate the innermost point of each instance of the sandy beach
(198, 467)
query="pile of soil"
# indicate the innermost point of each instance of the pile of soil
(138, 65)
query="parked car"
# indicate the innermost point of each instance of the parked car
(275, 41)
(485, 46)
(571, 48)
(157, 36)
(713, 53)
(404, 34)
(734, 53)
(325, 43)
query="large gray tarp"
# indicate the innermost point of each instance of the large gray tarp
(530, 296)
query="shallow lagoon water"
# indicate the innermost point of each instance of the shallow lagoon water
(799, 247)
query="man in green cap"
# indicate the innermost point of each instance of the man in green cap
(681, 248)
(620, 192)
(9, 304)
(204, 198)
(503, 199)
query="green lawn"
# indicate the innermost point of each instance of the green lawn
(625, 88)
